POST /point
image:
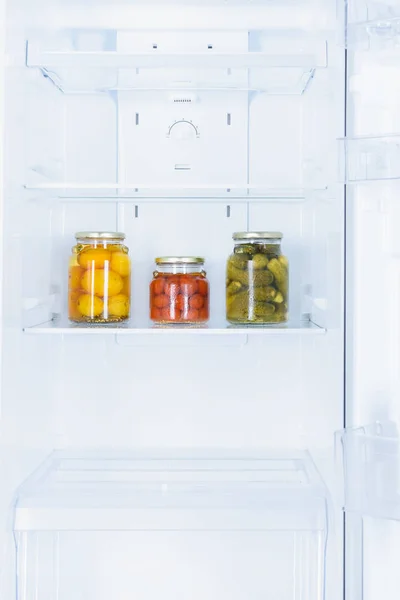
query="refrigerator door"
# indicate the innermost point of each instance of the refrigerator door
(371, 170)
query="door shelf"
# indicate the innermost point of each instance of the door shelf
(64, 327)
(370, 158)
(376, 34)
(372, 20)
(371, 466)
(173, 490)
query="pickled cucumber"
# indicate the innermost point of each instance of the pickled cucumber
(238, 306)
(260, 261)
(280, 273)
(263, 294)
(237, 275)
(261, 278)
(263, 311)
(233, 288)
(240, 261)
(284, 261)
(240, 309)
(271, 250)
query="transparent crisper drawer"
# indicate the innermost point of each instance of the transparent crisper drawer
(122, 525)
(370, 158)
(371, 470)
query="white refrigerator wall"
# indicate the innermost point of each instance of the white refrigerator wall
(77, 391)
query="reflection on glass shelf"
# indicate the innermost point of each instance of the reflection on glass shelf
(65, 327)
(370, 158)
(173, 490)
(371, 464)
(106, 191)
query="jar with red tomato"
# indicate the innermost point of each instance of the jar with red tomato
(179, 292)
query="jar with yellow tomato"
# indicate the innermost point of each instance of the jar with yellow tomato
(99, 289)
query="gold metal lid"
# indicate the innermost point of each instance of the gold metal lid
(257, 235)
(100, 235)
(180, 260)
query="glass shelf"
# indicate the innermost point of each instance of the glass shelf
(64, 327)
(107, 191)
(370, 158)
(197, 3)
(280, 67)
(370, 461)
(175, 490)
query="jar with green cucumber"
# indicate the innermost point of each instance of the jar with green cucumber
(257, 279)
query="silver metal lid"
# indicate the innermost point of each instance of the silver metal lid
(100, 235)
(257, 235)
(180, 260)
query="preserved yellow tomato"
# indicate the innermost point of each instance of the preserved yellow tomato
(118, 306)
(73, 310)
(90, 306)
(75, 276)
(120, 263)
(99, 283)
(102, 282)
(127, 287)
(90, 258)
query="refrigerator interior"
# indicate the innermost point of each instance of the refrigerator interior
(167, 463)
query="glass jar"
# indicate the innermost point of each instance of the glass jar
(179, 292)
(257, 283)
(99, 288)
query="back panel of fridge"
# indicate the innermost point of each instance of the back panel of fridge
(188, 462)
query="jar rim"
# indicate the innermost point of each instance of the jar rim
(257, 235)
(100, 235)
(179, 260)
